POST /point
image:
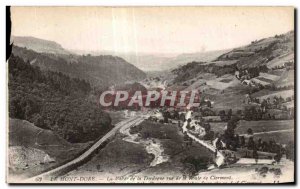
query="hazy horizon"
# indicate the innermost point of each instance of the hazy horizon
(152, 30)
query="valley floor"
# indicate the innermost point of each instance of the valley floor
(127, 159)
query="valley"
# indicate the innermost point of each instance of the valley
(245, 121)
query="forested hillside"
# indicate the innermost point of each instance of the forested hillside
(54, 101)
(100, 71)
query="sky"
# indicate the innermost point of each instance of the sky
(164, 30)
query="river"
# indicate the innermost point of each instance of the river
(152, 146)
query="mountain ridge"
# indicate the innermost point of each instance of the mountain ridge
(100, 71)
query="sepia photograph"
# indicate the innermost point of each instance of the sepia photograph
(150, 95)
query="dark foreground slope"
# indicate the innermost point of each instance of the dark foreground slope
(33, 150)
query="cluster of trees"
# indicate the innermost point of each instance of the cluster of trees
(251, 72)
(225, 117)
(252, 113)
(209, 134)
(274, 87)
(174, 114)
(233, 141)
(275, 103)
(259, 145)
(255, 113)
(192, 165)
(229, 137)
(54, 101)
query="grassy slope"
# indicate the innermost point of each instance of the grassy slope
(25, 134)
(230, 95)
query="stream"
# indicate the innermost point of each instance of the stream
(152, 146)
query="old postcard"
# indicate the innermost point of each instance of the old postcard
(177, 95)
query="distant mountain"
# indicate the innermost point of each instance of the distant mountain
(39, 45)
(100, 71)
(159, 62)
(148, 62)
(162, 63)
(272, 51)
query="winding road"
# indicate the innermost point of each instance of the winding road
(63, 169)
(220, 159)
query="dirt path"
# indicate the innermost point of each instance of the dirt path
(270, 132)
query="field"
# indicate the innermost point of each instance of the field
(260, 81)
(268, 76)
(218, 127)
(223, 82)
(280, 137)
(256, 126)
(284, 128)
(289, 104)
(279, 61)
(264, 94)
(261, 126)
(286, 79)
(118, 158)
(231, 97)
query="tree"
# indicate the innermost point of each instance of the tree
(208, 104)
(243, 142)
(207, 127)
(229, 114)
(290, 148)
(255, 155)
(229, 136)
(222, 115)
(38, 121)
(209, 135)
(249, 131)
(182, 117)
(176, 114)
(251, 113)
(251, 144)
